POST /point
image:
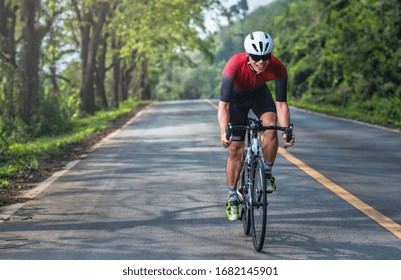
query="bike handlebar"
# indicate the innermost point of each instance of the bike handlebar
(256, 125)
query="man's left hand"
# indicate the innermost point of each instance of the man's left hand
(288, 143)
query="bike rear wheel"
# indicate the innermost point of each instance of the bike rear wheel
(259, 205)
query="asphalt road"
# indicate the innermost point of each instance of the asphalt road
(156, 190)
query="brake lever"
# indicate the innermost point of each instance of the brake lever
(228, 132)
(288, 132)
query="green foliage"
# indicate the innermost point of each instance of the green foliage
(25, 156)
(52, 118)
(4, 183)
(140, 35)
(189, 82)
(143, 35)
(178, 23)
(343, 57)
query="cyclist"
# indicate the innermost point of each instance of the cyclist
(244, 88)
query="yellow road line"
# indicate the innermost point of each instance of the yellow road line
(379, 218)
(372, 213)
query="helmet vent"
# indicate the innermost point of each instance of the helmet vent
(254, 46)
(261, 46)
(267, 46)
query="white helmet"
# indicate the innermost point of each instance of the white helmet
(258, 43)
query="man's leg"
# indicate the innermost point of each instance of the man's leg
(233, 171)
(270, 140)
(269, 148)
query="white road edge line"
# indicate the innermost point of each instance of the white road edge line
(7, 211)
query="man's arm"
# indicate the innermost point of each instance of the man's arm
(283, 113)
(283, 117)
(223, 116)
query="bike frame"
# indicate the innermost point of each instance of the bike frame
(252, 150)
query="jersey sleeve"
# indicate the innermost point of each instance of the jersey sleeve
(229, 74)
(281, 89)
(226, 90)
(281, 81)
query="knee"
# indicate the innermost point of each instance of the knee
(269, 139)
(235, 152)
(270, 135)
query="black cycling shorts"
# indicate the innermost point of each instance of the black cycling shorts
(260, 101)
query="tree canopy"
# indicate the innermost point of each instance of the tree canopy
(62, 60)
(65, 59)
(342, 56)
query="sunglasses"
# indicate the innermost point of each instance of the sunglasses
(256, 58)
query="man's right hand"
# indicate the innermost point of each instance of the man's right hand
(225, 142)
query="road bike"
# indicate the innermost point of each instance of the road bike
(251, 186)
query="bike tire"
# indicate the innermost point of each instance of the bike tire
(246, 176)
(245, 212)
(259, 204)
(246, 220)
(241, 186)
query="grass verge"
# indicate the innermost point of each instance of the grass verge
(25, 162)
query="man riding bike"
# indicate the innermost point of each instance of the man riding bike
(244, 88)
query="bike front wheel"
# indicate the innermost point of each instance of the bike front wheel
(243, 188)
(259, 205)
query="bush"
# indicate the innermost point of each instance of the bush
(51, 119)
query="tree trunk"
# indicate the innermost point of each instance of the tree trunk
(8, 61)
(53, 64)
(144, 89)
(127, 75)
(116, 74)
(29, 63)
(32, 36)
(90, 33)
(123, 85)
(101, 73)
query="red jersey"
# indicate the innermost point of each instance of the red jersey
(238, 77)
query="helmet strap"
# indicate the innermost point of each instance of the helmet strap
(250, 66)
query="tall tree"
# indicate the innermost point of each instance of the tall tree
(32, 34)
(101, 71)
(8, 65)
(91, 16)
(116, 62)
